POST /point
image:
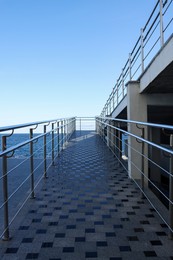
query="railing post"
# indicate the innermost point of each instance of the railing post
(171, 190)
(123, 82)
(142, 164)
(6, 236)
(58, 136)
(161, 24)
(62, 136)
(53, 144)
(32, 164)
(142, 51)
(130, 66)
(113, 95)
(117, 93)
(119, 142)
(45, 149)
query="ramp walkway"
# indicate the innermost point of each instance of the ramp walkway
(87, 208)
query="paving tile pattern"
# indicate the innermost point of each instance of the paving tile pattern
(88, 209)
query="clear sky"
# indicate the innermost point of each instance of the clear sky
(61, 58)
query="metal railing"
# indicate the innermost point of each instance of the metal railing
(23, 173)
(85, 123)
(147, 158)
(157, 30)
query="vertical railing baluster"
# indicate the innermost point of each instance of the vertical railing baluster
(62, 136)
(45, 151)
(58, 136)
(161, 24)
(142, 51)
(171, 189)
(32, 164)
(130, 66)
(6, 236)
(53, 144)
(142, 164)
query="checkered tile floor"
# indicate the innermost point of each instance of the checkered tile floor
(88, 209)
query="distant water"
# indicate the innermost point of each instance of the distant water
(24, 151)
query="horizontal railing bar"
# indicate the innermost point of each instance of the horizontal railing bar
(139, 122)
(13, 127)
(15, 147)
(140, 138)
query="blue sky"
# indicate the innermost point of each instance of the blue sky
(61, 58)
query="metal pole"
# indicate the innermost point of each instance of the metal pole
(161, 24)
(119, 142)
(62, 136)
(58, 136)
(117, 93)
(142, 165)
(53, 144)
(5, 191)
(130, 67)
(142, 50)
(123, 82)
(31, 165)
(171, 190)
(45, 149)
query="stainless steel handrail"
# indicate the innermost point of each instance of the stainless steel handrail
(59, 134)
(142, 54)
(140, 157)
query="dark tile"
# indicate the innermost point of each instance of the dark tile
(106, 216)
(11, 250)
(125, 219)
(32, 256)
(42, 206)
(156, 242)
(91, 254)
(47, 244)
(110, 234)
(36, 220)
(79, 239)
(131, 213)
(101, 243)
(89, 213)
(54, 258)
(72, 210)
(115, 258)
(27, 240)
(90, 230)
(125, 248)
(23, 227)
(161, 233)
(41, 231)
(144, 222)
(98, 222)
(163, 225)
(132, 238)
(47, 214)
(63, 217)
(54, 223)
(149, 216)
(68, 249)
(80, 219)
(32, 211)
(138, 229)
(71, 227)
(118, 226)
(60, 235)
(150, 253)
(113, 210)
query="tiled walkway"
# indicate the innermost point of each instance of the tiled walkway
(88, 209)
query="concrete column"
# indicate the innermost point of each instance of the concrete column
(137, 111)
